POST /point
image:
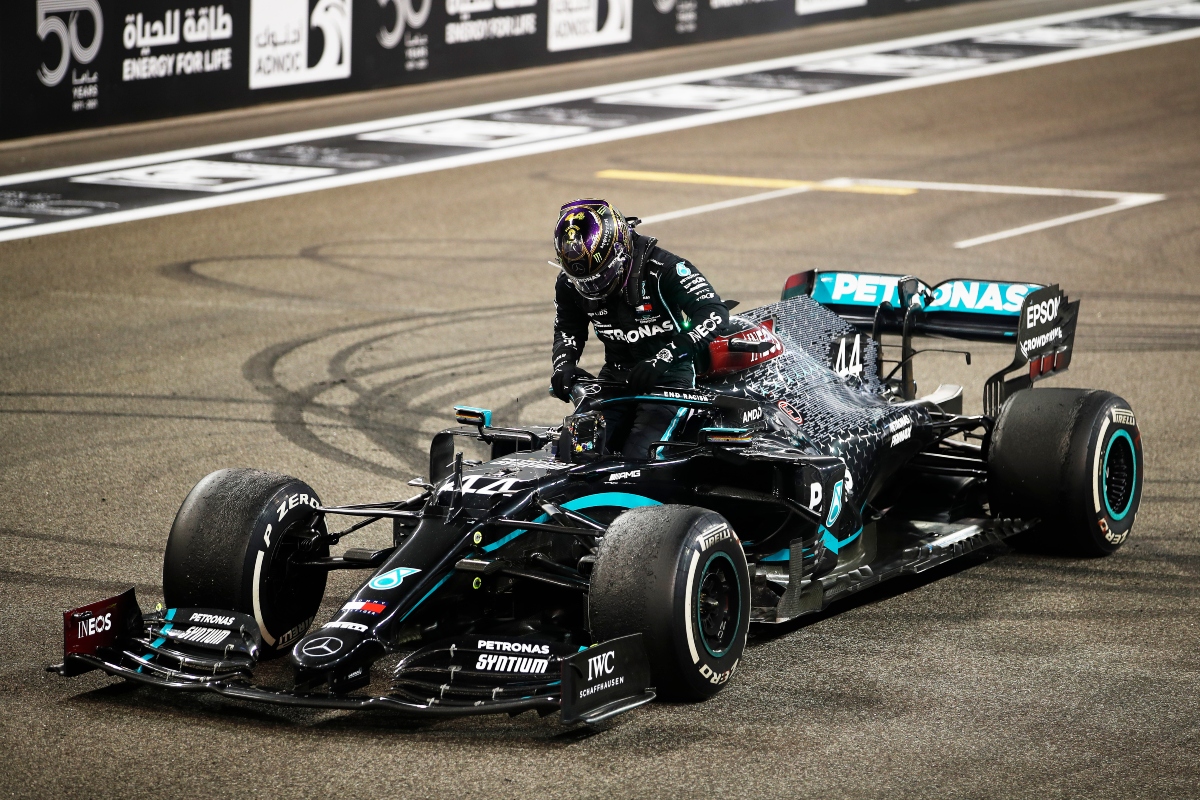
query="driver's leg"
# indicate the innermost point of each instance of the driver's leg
(651, 423)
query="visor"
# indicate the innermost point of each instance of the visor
(598, 285)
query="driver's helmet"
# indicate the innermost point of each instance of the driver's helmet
(593, 245)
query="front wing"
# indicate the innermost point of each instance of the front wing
(218, 656)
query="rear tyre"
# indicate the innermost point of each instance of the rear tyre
(678, 576)
(1073, 459)
(230, 546)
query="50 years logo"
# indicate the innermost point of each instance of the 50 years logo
(406, 17)
(67, 32)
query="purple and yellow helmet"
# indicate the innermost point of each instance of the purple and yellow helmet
(593, 245)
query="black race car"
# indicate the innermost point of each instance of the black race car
(560, 578)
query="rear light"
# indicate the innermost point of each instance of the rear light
(1046, 364)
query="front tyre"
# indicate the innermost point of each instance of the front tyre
(231, 545)
(678, 576)
(1073, 459)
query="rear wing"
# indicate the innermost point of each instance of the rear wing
(982, 311)
(1037, 319)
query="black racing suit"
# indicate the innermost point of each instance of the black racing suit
(665, 305)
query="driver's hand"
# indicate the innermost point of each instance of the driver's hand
(562, 381)
(646, 374)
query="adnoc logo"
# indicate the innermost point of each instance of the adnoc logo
(393, 578)
(835, 505)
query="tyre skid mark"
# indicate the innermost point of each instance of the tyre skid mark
(380, 411)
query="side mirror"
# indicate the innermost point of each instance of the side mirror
(725, 437)
(469, 415)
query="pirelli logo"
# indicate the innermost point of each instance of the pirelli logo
(1123, 416)
(718, 533)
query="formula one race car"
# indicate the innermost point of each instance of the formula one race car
(561, 578)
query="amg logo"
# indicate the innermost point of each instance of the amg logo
(514, 647)
(211, 619)
(1123, 416)
(620, 476)
(496, 663)
(601, 665)
(717, 533)
(201, 635)
(751, 415)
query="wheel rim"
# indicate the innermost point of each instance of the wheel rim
(285, 590)
(719, 605)
(1119, 475)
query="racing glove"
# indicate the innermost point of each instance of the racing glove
(564, 378)
(646, 373)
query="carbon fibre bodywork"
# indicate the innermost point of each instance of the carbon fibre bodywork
(832, 478)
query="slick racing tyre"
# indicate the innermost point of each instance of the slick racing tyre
(678, 576)
(229, 549)
(1073, 459)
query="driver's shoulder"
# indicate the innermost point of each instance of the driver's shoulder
(660, 261)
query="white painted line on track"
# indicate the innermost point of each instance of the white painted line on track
(961, 71)
(1121, 200)
(1052, 223)
(724, 204)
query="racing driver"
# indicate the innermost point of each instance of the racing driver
(653, 311)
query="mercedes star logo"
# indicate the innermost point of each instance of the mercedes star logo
(325, 646)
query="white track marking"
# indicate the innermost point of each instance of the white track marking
(1069, 218)
(595, 136)
(1121, 201)
(724, 204)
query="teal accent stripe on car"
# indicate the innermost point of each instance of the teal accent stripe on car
(614, 499)
(1132, 486)
(436, 586)
(169, 615)
(666, 437)
(831, 542)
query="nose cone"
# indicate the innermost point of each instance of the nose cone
(331, 649)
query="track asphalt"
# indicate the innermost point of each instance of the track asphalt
(326, 335)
